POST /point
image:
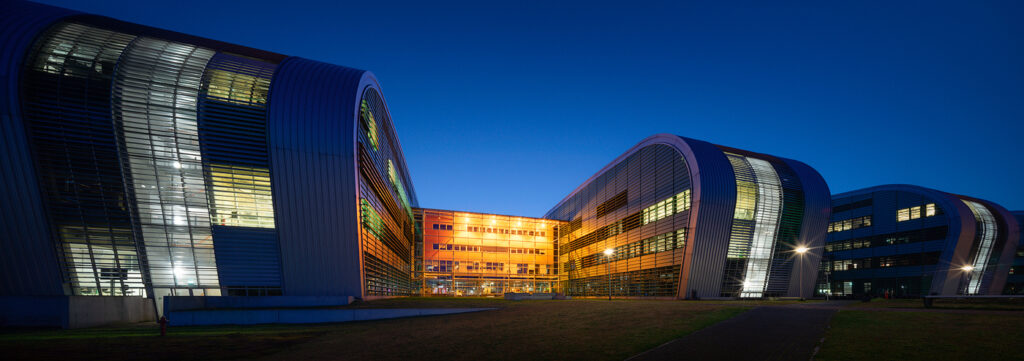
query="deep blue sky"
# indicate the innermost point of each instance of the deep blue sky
(507, 108)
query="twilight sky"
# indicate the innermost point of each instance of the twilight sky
(507, 107)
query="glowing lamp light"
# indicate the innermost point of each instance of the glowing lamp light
(802, 250)
(967, 268)
(609, 252)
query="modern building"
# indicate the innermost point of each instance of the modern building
(139, 165)
(476, 254)
(140, 162)
(910, 241)
(683, 218)
(1015, 279)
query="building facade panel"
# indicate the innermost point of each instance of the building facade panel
(386, 199)
(67, 90)
(731, 227)
(475, 254)
(29, 262)
(908, 241)
(1015, 278)
(151, 146)
(311, 124)
(817, 203)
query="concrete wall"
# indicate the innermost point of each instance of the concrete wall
(73, 311)
(89, 311)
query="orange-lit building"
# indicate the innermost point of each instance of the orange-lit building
(477, 254)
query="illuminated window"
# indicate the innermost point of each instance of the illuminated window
(746, 197)
(396, 181)
(906, 214)
(237, 88)
(848, 224)
(371, 123)
(241, 196)
(903, 215)
(667, 207)
(371, 220)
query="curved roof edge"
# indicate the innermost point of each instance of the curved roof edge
(369, 79)
(934, 193)
(682, 145)
(660, 138)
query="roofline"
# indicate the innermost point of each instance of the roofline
(680, 143)
(488, 214)
(665, 138)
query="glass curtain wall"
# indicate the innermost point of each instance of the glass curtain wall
(386, 202)
(232, 127)
(156, 87)
(640, 209)
(66, 105)
(985, 237)
(754, 228)
(474, 254)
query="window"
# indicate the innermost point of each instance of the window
(396, 181)
(906, 214)
(240, 196)
(442, 227)
(848, 224)
(370, 122)
(667, 207)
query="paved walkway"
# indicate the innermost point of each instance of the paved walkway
(789, 332)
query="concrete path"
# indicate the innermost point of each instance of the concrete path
(790, 332)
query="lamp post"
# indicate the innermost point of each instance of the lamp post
(607, 269)
(800, 251)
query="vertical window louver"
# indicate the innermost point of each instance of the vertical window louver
(790, 222)
(766, 224)
(66, 104)
(386, 202)
(754, 228)
(985, 237)
(232, 127)
(156, 87)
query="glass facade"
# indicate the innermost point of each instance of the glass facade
(387, 226)
(985, 237)
(66, 103)
(639, 208)
(155, 107)
(755, 226)
(909, 250)
(233, 139)
(474, 254)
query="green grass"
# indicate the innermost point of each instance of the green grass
(517, 330)
(947, 304)
(894, 335)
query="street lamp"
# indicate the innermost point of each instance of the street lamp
(607, 269)
(800, 251)
(968, 270)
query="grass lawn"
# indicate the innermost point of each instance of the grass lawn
(964, 304)
(893, 335)
(517, 330)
